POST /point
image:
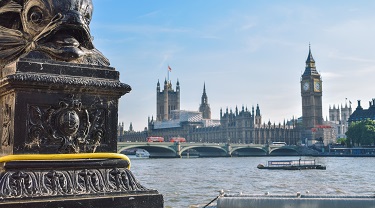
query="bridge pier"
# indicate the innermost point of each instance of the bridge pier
(228, 148)
(177, 147)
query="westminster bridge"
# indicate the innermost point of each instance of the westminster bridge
(178, 149)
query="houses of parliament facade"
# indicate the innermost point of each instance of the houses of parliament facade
(234, 126)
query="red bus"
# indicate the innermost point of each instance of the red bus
(155, 139)
(177, 139)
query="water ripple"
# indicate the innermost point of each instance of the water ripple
(197, 180)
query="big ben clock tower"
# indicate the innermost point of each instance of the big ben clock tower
(311, 92)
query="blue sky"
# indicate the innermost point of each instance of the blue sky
(247, 52)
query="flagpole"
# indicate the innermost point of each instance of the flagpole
(169, 70)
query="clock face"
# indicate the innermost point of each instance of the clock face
(317, 86)
(306, 86)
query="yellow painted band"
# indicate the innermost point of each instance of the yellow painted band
(10, 158)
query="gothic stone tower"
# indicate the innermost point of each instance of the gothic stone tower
(167, 100)
(204, 108)
(339, 116)
(311, 92)
(258, 117)
(334, 114)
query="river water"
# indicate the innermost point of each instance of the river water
(187, 181)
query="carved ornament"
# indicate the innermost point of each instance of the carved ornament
(70, 125)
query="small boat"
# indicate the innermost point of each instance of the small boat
(142, 153)
(291, 165)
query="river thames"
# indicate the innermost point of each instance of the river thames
(188, 181)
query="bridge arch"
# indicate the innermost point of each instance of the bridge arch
(284, 151)
(155, 151)
(207, 151)
(248, 151)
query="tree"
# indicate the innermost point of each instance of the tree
(341, 141)
(361, 132)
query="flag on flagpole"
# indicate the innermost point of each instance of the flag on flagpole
(169, 68)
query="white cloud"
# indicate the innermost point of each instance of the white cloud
(330, 75)
(150, 14)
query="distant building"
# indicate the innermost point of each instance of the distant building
(197, 126)
(120, 130)
(178, 117)
(245, 126)
(123, 134)
(181, 124)
(338, 118)
(167, 100)
(361, 114)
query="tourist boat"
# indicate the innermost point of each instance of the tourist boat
(291, 165)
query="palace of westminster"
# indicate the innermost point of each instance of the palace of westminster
(245, 125)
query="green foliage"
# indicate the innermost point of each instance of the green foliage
(361, 133)
(341, 141)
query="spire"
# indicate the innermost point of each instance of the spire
(310, 58)
(310, 65)
(204, 101)
(204, 89)
(131, 127)
(204, 95)
(167, 84)
(205, 107)
(178, 86)
(257, 111)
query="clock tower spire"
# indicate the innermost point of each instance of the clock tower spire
(204, 108)
(311, 92)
